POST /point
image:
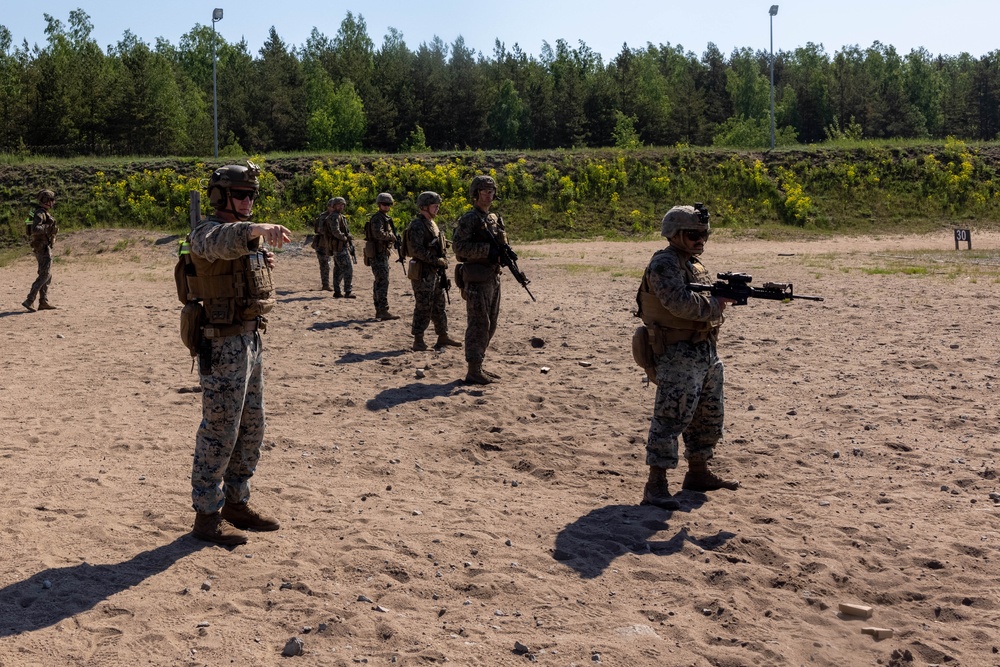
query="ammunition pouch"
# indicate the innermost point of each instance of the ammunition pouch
(192, 326)
(460, 279)
(415, 269)
(642, 352)
(182, 269)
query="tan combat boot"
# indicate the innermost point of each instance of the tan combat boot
(475, 374)
(243, 516)
(213, 528)
(418, 343)
(384, 315)
(700, 478)
(27, 304)
(45, 305)
(656, 492)
(444, 341)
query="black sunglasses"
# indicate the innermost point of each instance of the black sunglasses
(693, 235)
(240, 195)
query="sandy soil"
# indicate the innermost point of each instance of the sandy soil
(426, 521)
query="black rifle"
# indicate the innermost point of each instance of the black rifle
(350, 249)
(397, 242)
(442, 271)
(508, 259)
(736, 286)
(445, 282)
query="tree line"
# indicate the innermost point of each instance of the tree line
(70, 97)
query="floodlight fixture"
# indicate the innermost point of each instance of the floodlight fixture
(773, 11)
(216, 16)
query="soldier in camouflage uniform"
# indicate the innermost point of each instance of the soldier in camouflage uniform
(333, 239)
(380, 238)
(480, 275)
(343, 242)
(683, 328)
(322, 242)
(426, 244)
(42, 234)
(232, 281)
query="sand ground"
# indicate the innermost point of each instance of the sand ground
(426, 521)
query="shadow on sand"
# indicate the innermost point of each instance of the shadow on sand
(415, 391)
(55, 594)
(591, 543)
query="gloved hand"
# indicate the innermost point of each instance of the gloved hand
(442, 262)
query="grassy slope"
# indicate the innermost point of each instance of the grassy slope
(869, 188)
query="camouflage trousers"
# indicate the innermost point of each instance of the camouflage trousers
(482, 309)
(380, 288)
(40, 287)
(343, 271)
(689, 403)
(324, 268)
(429, 307)
(229, 438)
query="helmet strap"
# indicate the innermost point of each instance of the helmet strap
(230, 207)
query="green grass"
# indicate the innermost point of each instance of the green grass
(888, 271)
(586, 268)
(11, 255)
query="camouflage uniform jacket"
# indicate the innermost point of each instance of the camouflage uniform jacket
(472, 244)
(43, 229)
(379, 232)
(668, 275)
(221, 248)
(425, 240)
(214, 239)
(332, 234)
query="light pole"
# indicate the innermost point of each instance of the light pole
(772, 11)
(217, 16)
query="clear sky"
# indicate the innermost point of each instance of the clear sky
(947, 27)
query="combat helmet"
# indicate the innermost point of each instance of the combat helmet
(428, 198)
(232, 176)
(46, 196)
(481, 182)
(337, 200)
(384, 198)
(685, 217)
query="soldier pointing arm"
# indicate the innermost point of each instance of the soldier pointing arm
(231, 280)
